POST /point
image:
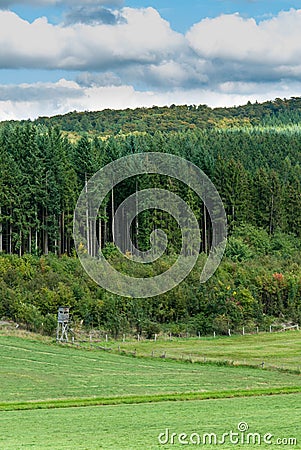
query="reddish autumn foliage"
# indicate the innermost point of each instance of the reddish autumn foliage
(278, 276)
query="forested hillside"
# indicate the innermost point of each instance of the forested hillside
(177, 118)
(251, 153)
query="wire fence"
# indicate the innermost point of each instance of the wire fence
(155, 348)
(97, 336)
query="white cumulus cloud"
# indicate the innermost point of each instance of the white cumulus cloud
(143, 37)
(139, 60)
(231, 37)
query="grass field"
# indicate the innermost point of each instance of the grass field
(32, 370)
(134, 394)
(138, 426)
(281, 350)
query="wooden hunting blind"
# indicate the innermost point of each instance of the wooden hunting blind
(62, 324)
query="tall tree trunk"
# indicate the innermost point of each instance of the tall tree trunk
(271, 225)
(10, 232)
(59, 242)
(87, 216)
(93, 237)
(136, 219)
(1, 235)
(36, 240)
(45, 221)
(205, 237)
(68, 244)
(46, 250)
(99, 233)
(10, 239)
(90, 238)
(55, 239)
(62, 231)
(20, 242)
(29, 240)
(105, 233)
(113, 211)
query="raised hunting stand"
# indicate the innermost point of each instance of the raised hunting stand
(62, 324)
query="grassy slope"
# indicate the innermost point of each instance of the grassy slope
(32, 370)
(138, 426)
(281, 350)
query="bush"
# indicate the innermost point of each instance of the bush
(237, 250)
(221, 324)
(200, 324)
(150, 329)
(50, 324)
(30, 316)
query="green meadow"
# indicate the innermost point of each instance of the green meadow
(280, 350)
(33, 370)
(63, 397)
(138, 426)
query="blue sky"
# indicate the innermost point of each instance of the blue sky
(62, 55)
(181, 14)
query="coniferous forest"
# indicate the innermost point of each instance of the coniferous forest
(251, 153)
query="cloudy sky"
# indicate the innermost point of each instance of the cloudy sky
(63, 55)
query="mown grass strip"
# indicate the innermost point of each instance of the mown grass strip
(137, 399)
(211, 362)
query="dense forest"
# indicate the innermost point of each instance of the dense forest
(251, 153)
